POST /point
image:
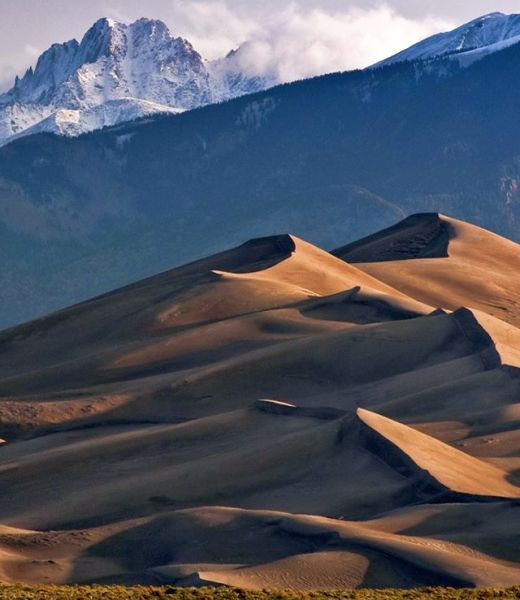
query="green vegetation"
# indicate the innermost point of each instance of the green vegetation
(26, 592)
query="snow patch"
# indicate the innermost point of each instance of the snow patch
(467, 43)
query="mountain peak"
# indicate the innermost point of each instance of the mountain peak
(102, 39)
(154, 30)
(150, 23)
(491, 14)
(104, 23)
(125, 68)
(483, 35)
(103, 27)
(110, 22)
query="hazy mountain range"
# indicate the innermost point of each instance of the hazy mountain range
(330, 159)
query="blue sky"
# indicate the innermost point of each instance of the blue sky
(306, 37)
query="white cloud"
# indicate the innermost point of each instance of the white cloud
(295, 42)
(291, 42)
(212, 27)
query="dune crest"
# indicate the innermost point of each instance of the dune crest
(274, 416)
(440, 466)
(472, 267)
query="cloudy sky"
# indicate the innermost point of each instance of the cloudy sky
(297, 39)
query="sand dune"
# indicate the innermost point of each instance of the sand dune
(274, 416)
(438, 466)
(264, 549)
(444, 262)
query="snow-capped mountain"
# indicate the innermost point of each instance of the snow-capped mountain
(466, 43)
(121, 72)
(117, 73)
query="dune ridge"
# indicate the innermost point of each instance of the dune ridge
(274, 416)
(473, 268)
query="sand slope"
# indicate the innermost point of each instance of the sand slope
(274, 416)
(444, 262)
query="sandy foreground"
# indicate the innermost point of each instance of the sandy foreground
(275, 416)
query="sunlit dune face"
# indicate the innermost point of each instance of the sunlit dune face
(274, 416)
